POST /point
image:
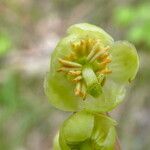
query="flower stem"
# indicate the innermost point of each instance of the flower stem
(117, 146)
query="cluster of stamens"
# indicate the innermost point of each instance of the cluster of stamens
(93, 52)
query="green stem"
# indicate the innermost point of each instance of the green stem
(117, 145)
(93, 86)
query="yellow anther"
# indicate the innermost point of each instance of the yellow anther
(103, 56)
(94, 50)
(107, 48)
(78, 78)
(77, 88)
(108, 60)
(63, 69)
(69, 63)
(71, 57)
(67, 69)
(73, 45)
(83, 47)
(89, 43)
(82, 42)
(105, 62)
(83, 91)
(97, 55)
(105, 71)
(74, 73)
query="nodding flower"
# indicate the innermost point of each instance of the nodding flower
(89, 70)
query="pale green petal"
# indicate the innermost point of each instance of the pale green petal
(60, 92)
(62, 49)
(104, 133)
(85, 131)
(58, 88)
(113, 94)
(78, 127)
(125, 62)
(110, 140)
(91, 31)
(62, 142)
(86, 145)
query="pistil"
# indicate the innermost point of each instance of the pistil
(90, 78)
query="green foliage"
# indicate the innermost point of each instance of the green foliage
(19, 115)
(5, 43)
(137, 20)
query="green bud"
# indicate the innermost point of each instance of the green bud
(87, 131)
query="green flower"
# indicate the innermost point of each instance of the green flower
(89, 70)
(86, 131)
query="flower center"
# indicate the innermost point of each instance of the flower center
(87, 66)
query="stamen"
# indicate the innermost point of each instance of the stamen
(105, 71)
(89, 43)
(75, 46)
(93, 51)
(78, 78)
(105, 62)
(104, 56)
(69, 63)
(83, 91)
(99, 53)
(74, 73)
(66, 69)
(71, 57)
(77, 88)
(83, 44)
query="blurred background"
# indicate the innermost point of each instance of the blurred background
(29, 31)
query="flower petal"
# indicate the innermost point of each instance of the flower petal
(84, 131)
(58, 88)
(91, 30)
(104, 133)
(125, 62)
(60, 93)
(110, 139)
(113, 94)
(75, 130)
(78, 127)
